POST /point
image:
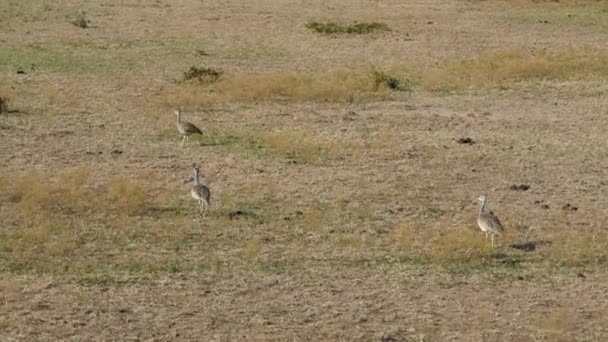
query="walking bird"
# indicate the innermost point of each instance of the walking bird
(487, 221)
(200, 192)
(185, 128)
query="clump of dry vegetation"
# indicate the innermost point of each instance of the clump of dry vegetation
(202, 74)
(79, 19)
(330, 27)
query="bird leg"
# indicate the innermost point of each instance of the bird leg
(492, 240)
(486, 235)
(183, 140)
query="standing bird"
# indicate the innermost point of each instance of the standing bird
(487, 221)
(185, 128)
(200, 192)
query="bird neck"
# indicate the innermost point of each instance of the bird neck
(179, 117)
(482, 208)
(196, 181)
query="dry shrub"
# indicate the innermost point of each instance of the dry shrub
(252, 248)
(126, 196)
(578, 248)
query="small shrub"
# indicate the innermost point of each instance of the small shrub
(355, 28)
(80, 19)
(203, 75)
(327, 28)
(382, 78)
(364, 28)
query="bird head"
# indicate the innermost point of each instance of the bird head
(482, 198)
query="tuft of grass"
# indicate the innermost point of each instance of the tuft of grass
(79, 19)
(202, 74)
(252, 248)
(460, 246)
(126, 196)
(331, 27)
(391, 82)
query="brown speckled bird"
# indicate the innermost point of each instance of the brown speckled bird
(487, 221)
(185, 128)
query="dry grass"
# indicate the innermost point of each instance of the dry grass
(252, 248)
(126, 196)
(72, 192)
(497, 70)
(555, 325)
(342, 208)
(342, 85)
(460, 246)
(505, 70)
(579, 248)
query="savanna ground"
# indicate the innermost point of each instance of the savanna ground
(343, 206)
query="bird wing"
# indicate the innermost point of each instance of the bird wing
(191, 128)
(492, 222)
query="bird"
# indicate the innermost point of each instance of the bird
(487, 221)
(185, 128)
(200, 192)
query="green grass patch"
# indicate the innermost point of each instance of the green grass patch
(590, 17)
(330, 27)
(38, 57)
(202, 74)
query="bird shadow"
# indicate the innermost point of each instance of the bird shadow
(530, 246)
